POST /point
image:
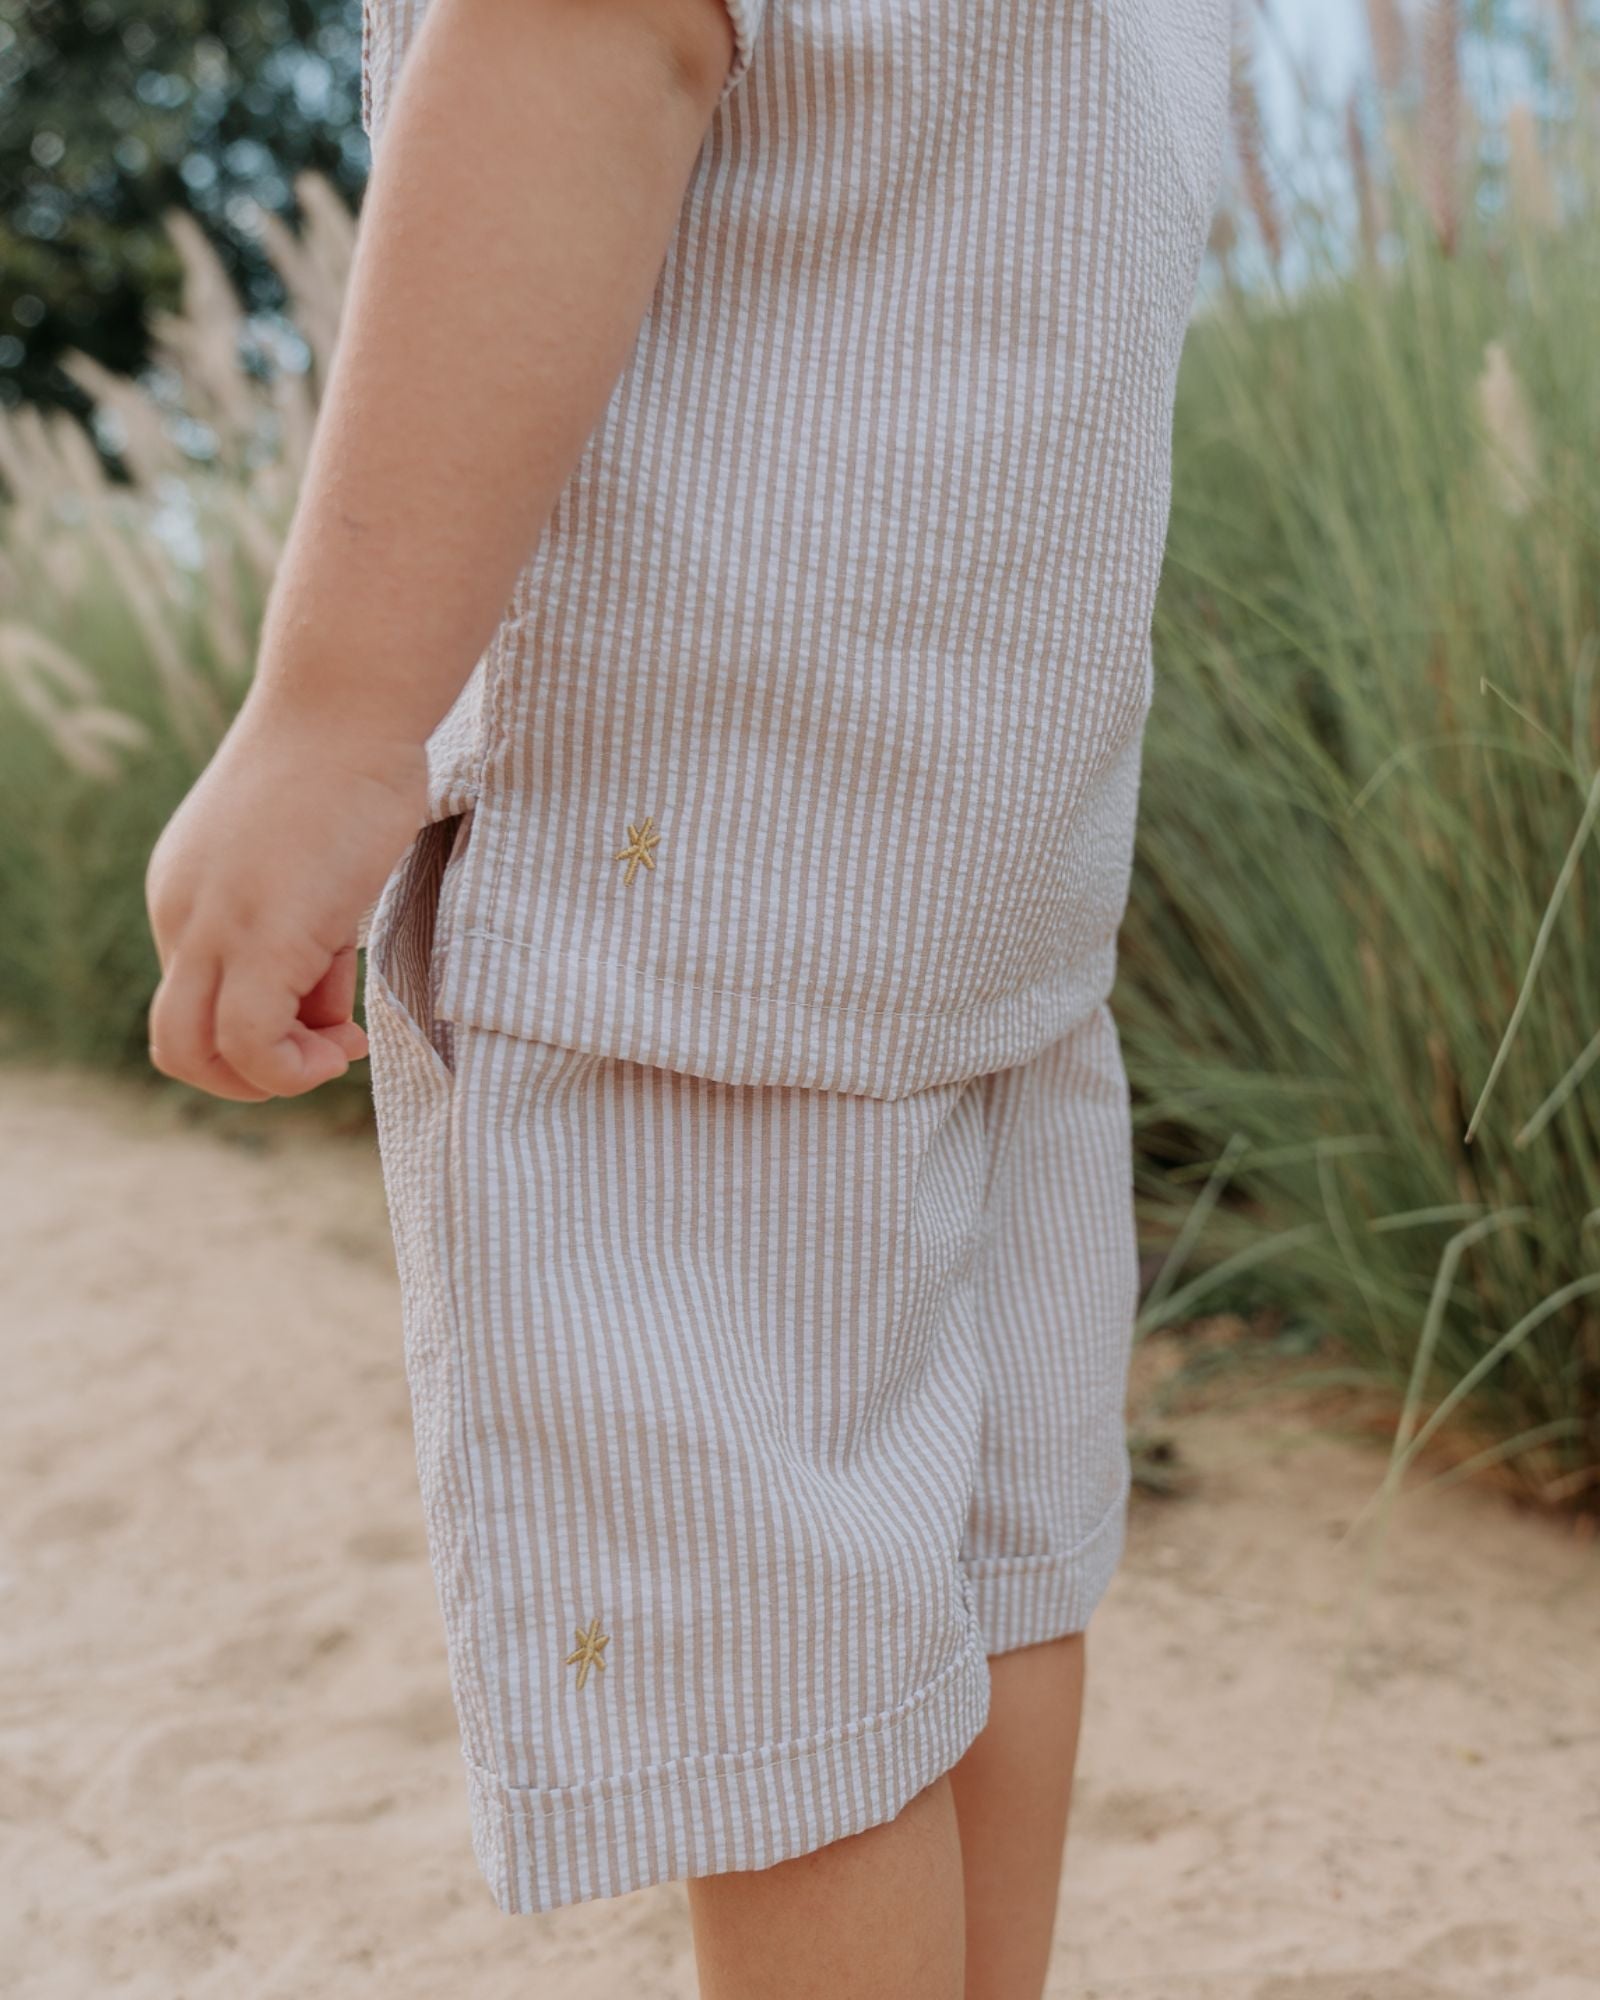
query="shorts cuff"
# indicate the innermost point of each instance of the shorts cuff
(1025, 1600)
(542, 1849)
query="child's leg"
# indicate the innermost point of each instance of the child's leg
(1012, 1789)
(881, 1913)
(1054, 1297)
(876, 1916)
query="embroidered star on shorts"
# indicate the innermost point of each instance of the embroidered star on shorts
(641, 840)
(592, 1642)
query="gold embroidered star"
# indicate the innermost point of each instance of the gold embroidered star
(592, 1642)
(641, 840)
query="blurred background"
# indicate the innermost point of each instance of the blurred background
(1360, 989)
(1364, 925)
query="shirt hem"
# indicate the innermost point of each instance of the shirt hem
(592, 1005)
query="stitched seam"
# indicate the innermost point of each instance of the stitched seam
(987, 1565)
(609, 965)
(490, 807)
(448, 1193)
(989, 1219)
(432, 1261)
(546, 1801)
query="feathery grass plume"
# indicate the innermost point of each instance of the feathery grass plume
(1533, 189)
(1442, 120)
(1391, 52)
(1222, 242)
(38, 462)
(202, 342)
(143, 439)
(1569, 17)
(1509, 430)
(187, 546)
(59, 694)
(1370, 216)
(314, 265)
(1250, 147)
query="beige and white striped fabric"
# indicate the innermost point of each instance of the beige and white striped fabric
(749, 1420)
(807, 750)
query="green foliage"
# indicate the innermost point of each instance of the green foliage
(111, 114)
(1369, 825)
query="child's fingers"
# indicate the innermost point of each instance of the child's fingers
(258, 1032)
(333, 998)
(348, 1036)
(329, 1005)
(180, 1029)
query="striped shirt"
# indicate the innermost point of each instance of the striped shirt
(807, 750)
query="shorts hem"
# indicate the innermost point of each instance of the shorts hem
(541, 1849)
(1027, 1600)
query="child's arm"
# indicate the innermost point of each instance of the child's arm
(533, 164)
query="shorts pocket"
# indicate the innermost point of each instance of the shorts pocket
(400, 946)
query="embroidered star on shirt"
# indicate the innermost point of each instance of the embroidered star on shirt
(592, 1642)
(641, 840)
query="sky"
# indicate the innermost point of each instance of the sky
(1327, 38)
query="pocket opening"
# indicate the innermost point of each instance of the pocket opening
(400, 949)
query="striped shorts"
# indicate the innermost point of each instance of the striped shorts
(749, 1419)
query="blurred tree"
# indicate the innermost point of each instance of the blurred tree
(112, 112)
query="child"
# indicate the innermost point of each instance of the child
(751, 424)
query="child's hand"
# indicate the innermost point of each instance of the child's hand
(255, 889)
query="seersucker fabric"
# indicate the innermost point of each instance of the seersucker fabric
(807, 750)
(755, 1132)
(750, 1420)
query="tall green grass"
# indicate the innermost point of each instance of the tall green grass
(1361, 991)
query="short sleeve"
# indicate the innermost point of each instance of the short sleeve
(746, 18)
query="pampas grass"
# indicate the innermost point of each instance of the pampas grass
(1250, 147)
(1533, 191)
(1512, 468)
(1371, 220)
(134, 577)
(183, 537)
(1391, 52)
(1443, 117)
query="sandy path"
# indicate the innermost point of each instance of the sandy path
(228, 1764)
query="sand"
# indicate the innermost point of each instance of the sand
(228, 1761)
